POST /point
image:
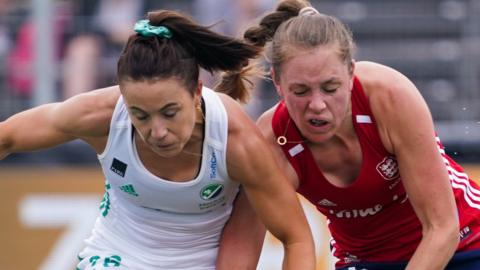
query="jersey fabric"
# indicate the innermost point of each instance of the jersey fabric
(461, 260)
(153, 223)
(372, 219)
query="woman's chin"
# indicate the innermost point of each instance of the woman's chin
(317, 136)
(166, 152)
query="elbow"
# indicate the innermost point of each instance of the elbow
(453, 232)
(447, 234)
(5, 145)
(4, 149)
(452, 239)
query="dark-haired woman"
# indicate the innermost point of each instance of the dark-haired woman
(174, 155)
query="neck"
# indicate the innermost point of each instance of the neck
(346, 131)
(199, 118)
(194, 146)
(343, 135)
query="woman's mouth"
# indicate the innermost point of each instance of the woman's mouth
(317, 122)
(164, 146)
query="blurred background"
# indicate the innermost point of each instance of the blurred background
(52, 49)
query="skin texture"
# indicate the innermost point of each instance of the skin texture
(168, 136)
(242, 237)
(405, 127)
(163, 117)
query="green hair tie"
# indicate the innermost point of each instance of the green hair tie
(144, 28)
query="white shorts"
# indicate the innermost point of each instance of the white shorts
(91, 260)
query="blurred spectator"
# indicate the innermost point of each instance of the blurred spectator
(88, 36)
(230, 16)
(4, 39)
(233, 17)
(90, 55)
(20, 59)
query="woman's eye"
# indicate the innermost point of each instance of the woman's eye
(300, 91)
(170, 114)
(330, 89)
(141, 117)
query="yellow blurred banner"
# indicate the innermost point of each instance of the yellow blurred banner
(47, 212)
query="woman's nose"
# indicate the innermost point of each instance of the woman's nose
(317, 103)
(158, 130)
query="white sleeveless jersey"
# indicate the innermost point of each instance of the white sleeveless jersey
(152, 223)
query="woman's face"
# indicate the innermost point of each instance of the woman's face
(163, 112)
(316, 86)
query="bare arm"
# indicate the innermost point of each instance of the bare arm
(86, 116)
(264, 122)
(251, 162)
(407, 131)
(242, 238)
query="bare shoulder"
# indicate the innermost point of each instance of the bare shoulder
(239, 123)
(392, 97)
(380, 79)
(251, 145)
(92, 112)
(246, 147)
(384, 85)
(264, 122)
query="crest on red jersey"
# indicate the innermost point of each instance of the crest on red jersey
(388, 168)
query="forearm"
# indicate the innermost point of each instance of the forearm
(273, 198)
(288, 223)
(237, 252)
(299, 256)
(435, 250)
(292, 229)
(242, 238)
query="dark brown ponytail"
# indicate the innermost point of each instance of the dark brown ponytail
(191, 46)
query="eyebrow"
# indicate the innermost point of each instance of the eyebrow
(166, 107)
(297, 85)
(333, 80)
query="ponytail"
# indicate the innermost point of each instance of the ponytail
(238, 84)
(296, 26)
(264, 32)
(180, 54)
(212, 51)
(259, 36)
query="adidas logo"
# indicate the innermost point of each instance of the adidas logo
(326, 202)
(129, 190)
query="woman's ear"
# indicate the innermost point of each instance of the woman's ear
(198, 91)
(197, 95)
(351, 67)
(351, 70)
(276, 83)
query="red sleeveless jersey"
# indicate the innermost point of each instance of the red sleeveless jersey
(372, 220)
